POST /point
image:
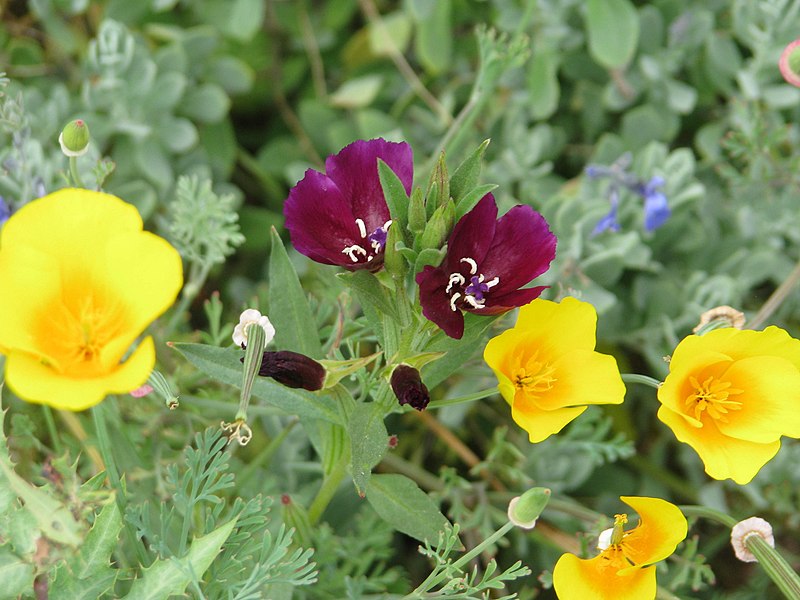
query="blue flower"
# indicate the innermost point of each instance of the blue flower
(609, 222)
(656, 210)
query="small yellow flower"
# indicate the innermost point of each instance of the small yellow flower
(81, 281)
(731, 395)
(622, 570)
(547, 368)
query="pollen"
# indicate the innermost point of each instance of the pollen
(535, 377)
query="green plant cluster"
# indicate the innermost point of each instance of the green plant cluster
(203, 113)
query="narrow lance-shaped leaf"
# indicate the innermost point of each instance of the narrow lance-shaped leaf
(396, 197)
(295, 326)
(368, 441)
(467, 174)
(400, 502)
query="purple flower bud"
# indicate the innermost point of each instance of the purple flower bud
(609, 221)
(293, 370)
(408, 387)
(656, 211)
(5, 211)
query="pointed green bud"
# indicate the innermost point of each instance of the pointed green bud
(74, 138)
(160, 384)
(393, 260)
(439, 184)
(438, 227)
(256, 342)
(523, 511)
(416, 211)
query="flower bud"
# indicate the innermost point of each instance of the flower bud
(74, 138)
(293, 370)
(416, 212)
(251, 315)
(523, 511)
(789, 63)
(408, 387)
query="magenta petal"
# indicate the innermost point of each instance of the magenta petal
(355, 171)
(435, 303)
(319, 219)
(472, 235)
(522, 249)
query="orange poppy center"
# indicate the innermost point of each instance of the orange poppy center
(712, 397)
(534, 376)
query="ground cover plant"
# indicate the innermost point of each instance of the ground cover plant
(371, 299)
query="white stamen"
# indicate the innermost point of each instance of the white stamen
(492, 282)
(362, 229)
(386, 225)
(453, 299)
(473, 266)
(470, 299)
(352, 250)
(370, 258)
(455, 279)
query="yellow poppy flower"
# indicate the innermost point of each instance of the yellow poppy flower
(81, 281)
(547, 368)
(731, 395)
(622, 570)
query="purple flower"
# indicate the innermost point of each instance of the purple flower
(487, 261)
(656, 210)
(341, 217)
(408, 387)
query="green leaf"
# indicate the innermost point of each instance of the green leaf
(245, 18)
(295, 325)
(358, 92)
(393, 30)
(223, 364)
(369, 441)
(16, 576)
(469, 201)
(54, 519)
(177, 134)
(369, 290)
(613, 28)
(433, 43)
(408, 509)
(165, 578)
(543, 85)
(207, 103)
(467, 174)
(395, 194)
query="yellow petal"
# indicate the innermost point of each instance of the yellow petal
(541, 424)
(772, 341)
(770, 399)
(584, 377)
(724, 457)
(33, 381)
(563, 327)
(661, 528)
(594, 579)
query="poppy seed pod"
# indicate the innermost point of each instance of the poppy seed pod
(408, 387)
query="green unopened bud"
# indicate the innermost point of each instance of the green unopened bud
(438, 227)
(161, 385)
(256, 342)
(416, 212)
(74, 138)
(439, 185)
(393, 261)
(523, 511)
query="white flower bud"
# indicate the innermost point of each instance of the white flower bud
(248, 317)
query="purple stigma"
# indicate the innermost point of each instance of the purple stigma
(476, 288)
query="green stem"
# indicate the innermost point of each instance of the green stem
(73, 171)
(327, 490)
(433, 579)
(463, 399)
(104, 441)
(784, 577)
(776, 299)
(643, 379)
(704, 512)
(51, 429)
(677, 484)
(197, 277)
